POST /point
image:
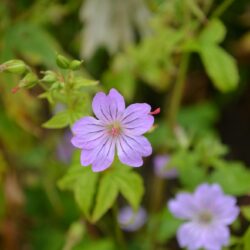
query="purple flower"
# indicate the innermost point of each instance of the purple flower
(208, 213)
(65, 148)
(115, 127)
(130, 220)
(162, 169)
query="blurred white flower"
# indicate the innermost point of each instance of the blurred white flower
(112, 24)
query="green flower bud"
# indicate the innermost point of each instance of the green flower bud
(75, 64)
(62, 62)
(14, 66)
(28, 81)
(49, 77)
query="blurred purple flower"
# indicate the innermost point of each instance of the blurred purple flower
(65, 148)
(130, 220)
(209, 212)
(116, 127)
(162, 169)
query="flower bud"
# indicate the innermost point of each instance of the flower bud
(62, 62)
(75, 64)
(49, 77)
(28, 81)
(14, 66)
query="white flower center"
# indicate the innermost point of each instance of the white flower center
(205, 217)
(115, 129)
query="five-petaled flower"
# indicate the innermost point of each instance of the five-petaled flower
(116, 127)
(208, 213)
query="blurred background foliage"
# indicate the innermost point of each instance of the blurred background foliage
(139, 47)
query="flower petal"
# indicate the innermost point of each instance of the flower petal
(89, 133)
(86, 125)
(215, 237)
(136, 119)
(212, 198)
(225, 209)
(205, 195)
(100, 107)
(189, 235)
(105, 157)
(183, 206)
(110, 107)
(139, 144)
(101, 157)
(127, 154)
(195, 236)
(118, 99)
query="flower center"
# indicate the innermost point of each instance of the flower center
(115, 129)
(205, 217)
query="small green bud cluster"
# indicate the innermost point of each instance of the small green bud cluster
(65, 63)
(13, 66)
(19, 67)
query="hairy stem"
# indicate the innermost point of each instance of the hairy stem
(178, 91)
(118, 232)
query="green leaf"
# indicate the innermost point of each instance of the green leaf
(246, 239)
(106, 196)
(214, 32)
(60, 120)
(80, 82)
(187, 164)
(82, 181)
(85, 190)
(130, 185)
(168, 226)
(220, 66)
(246, 212)
(32, 42)
(233, 177)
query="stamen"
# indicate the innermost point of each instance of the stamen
(205, 217)
(155, 112)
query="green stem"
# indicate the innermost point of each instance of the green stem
(44, 87)
(178, 91)
(222, 8)
(118, 232)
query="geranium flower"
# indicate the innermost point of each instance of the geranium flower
(116, 127)
(131, 221)
(161, 168)
(208, 213)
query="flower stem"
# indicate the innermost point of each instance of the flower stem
(178, 91)
(118, 232)
(222, 8)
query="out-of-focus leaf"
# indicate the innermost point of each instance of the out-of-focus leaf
(32, 42)
(106, 196)
(187, 164)
(210, 149)
(83, 82)
(59, 120)
(246, 212)
(214, 32)
(246, 239)
(130, 185)
(74, 235)
(220, 66)
(85, 191)
(82, 181)
(168, 226)
(121, 77)
(104, 244)
(198, 118)
(233, 177)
